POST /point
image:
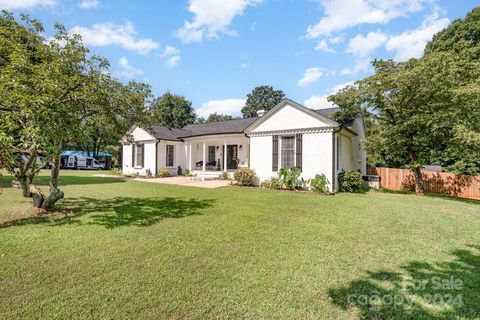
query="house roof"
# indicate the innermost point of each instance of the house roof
(219, 127)
(166, 133)
(328, 112)
(225, 127)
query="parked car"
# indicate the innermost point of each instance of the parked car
(87, 163)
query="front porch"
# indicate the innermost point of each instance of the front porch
(217, 153)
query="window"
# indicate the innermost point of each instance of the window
(170, 155)
(211, 153)
(139, 148)
(288, 152)
(339, 152)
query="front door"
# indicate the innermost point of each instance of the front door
(232, 156)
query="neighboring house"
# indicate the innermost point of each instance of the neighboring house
(289, 135)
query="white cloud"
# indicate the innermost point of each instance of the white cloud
(362, 64)
(362, 46)
(127, 70)
(320, 101)
(310, 76)
(245, 65)
(211, 18)
(226, 106)
(125, 36)
(323, 46)
(25, 4)
(344, 14)
(89, 4)
(410, 44)
(171, 55)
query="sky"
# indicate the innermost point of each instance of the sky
(214, 52)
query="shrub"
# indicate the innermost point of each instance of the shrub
(163, 173)
(290, 177)
(350, 181)
(149, 173)
(245, 176)
(272, 183)
(115, 172)
(319, 183)
(225, 176)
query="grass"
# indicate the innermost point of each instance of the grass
(130, 249)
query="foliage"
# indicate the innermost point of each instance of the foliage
(272, 183)
(320, 183)
(424, 111)
(172, 110)
(225, 176)
(261, 98)
(350, 181)
(54, 93)
(245, 176)
(350, 108)
(216, 117)
(290, 177)
(188, 173)
(163, 173)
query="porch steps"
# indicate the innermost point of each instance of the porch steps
(207, 176)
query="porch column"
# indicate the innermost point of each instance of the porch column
(225, 155)
(204, 156)
(189, 156)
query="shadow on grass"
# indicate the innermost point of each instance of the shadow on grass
(431, 195)
(65, 180)
(420, 290)
(118, 212)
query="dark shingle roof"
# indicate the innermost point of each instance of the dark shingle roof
(327, 112)
(220, 127)
(201, 129)
(165, 133)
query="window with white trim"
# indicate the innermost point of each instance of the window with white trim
(170, 155)
(139, 151)
(288, 152)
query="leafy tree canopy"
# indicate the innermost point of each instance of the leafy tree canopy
(261, 98)
(172, 110)
(216, 117)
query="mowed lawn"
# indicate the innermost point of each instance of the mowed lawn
(130, 249)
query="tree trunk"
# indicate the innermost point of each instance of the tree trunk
(419, 186)
(417, 172)
(47, 203)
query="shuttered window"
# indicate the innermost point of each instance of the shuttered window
(139, 151)
(170, 155)
(288, 152)
(274, 153)
(298, 149)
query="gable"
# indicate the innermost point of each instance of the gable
(289, 117)
(140, 134)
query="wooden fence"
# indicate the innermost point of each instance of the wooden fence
(451, 184)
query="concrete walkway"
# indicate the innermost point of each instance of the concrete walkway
(178, 180)
(187, 181)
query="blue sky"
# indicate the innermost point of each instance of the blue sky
(214, 52)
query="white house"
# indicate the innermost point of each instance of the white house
(289, 135)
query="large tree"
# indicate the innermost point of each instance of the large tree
(261, 98)
(172, 111)
(48, 97)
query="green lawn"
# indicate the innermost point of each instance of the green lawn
(128, 249)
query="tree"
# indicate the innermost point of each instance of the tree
(118, 108)
(48, 97)
(261, 98)
(173, 111)
(216, 117)
(417, 105)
